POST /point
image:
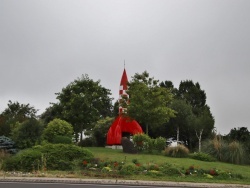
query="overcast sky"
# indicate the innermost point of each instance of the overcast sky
(46, 44)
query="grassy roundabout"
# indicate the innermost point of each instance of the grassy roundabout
(115, 164)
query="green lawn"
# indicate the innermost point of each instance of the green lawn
(182, 163)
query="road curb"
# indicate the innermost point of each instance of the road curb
(118, 181)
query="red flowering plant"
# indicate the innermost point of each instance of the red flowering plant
(85, 163)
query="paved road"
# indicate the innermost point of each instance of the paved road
(63, 185)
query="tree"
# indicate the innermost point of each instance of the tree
(203, 122)
(84, 102)
(99, 132)
(184, 116)
(27, 133)
(52, 112)
(57, 127)
(148, 101)
(193, 94)
(15, 112)
(240, 134)
(192, 122)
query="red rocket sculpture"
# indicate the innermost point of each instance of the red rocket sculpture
(122, 124)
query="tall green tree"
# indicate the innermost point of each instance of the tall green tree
(148, 102)
(15, 112)
(193, 122)
(84, 102)
(27, 133)
(52, 112)
(183, 119)
(193, 94)
(204, 123)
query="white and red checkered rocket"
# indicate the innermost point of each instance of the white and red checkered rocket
(122, 92)
(122, 124)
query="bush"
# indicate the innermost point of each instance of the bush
(26, 160)
(141, 141)
(236, 154)
(57, 127)
(87, 142)
(178, 151)
(129, 169)
(202, 157)
(221, 150)
(50, 156)
(160, 143)
(11, 164)
(27, 134)
(62, 140)
(215, 147)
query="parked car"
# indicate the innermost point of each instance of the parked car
(171, 142)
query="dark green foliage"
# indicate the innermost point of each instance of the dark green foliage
(202, 157)
(98, 133)
(27, 134)
(26, 160)
(58, 139)
(15, 112)
(129, 170)
(84, 101)
(87, 142)
(57, 154)
(50, 156)
(240, 134)
(148, 103)
(169, 169)
(11, 164)
(159, 144)
(52, 112)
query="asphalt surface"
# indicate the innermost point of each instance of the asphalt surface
(67, 185)
(120, 182)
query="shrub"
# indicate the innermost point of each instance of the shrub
(87, 142)
(27, 133)
(129, 169)
(149, 145)
(171, 171)
(50, 156)
(202, 157)
(236, 154)
(57, 127)
(11, 164)
(25, 160)
(141, 141)
(62, 140)
(178, 151)
(215, 147)
(160, 144)
(232, 152)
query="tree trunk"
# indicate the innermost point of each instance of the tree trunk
(199, 138)
(81, 136)
(178, 134)
(147, 129)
